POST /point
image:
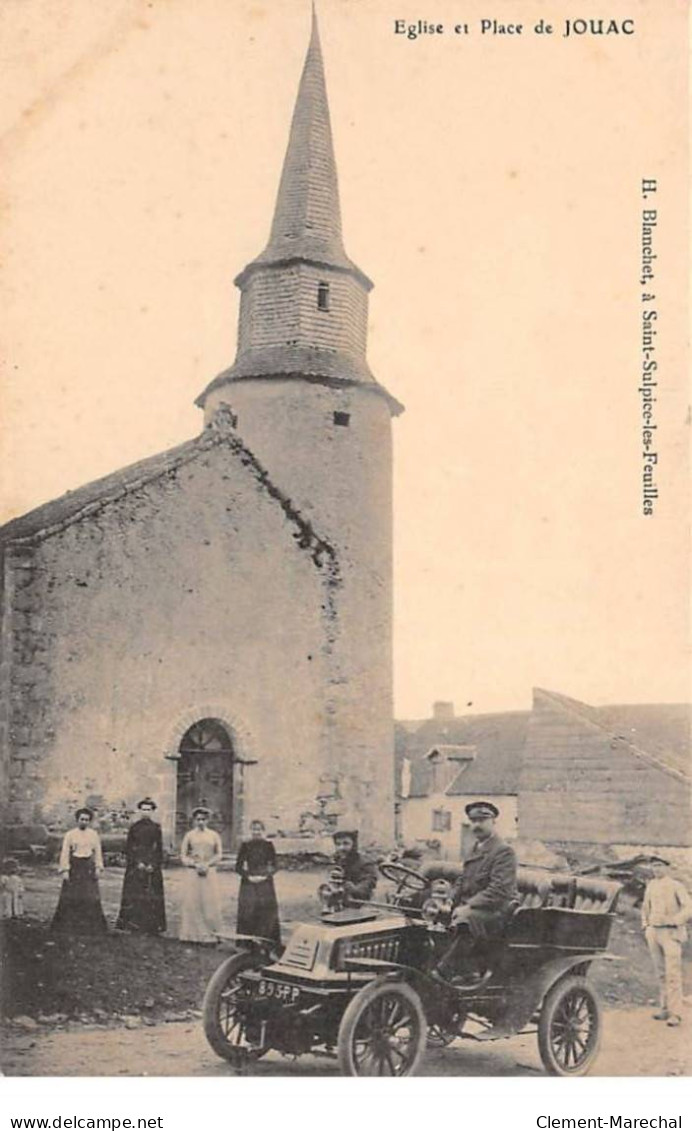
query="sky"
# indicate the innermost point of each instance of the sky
(491, 188)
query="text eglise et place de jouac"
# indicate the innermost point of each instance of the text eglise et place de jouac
(492, 27)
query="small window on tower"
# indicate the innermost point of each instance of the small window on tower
(343, 419)
(323, 296)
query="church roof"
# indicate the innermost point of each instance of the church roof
(74, 505)
(307, 217)
(279, 336)
(306, 362)
(58, 512)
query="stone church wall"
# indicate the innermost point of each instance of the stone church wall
(342, 484)
(196, 595)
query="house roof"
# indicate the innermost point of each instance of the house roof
(657, 733)
(498, 740)
(662, 729)
(452, 753)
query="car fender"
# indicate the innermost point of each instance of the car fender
(385, 971)
(251, 943)
(523, 1000)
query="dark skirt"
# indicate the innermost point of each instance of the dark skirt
(258, 911)
(79, 907)
(142, 905)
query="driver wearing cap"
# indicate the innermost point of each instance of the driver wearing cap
(485, 891)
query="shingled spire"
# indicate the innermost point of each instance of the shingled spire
(307, 218)
(304, 303)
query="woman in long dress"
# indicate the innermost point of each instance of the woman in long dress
(142, 905)
(200, 852)
(258, 911)
(81, 863)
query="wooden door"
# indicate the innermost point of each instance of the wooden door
(205, 777)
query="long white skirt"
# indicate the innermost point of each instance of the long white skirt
(200, 918)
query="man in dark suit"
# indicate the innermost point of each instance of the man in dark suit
(485, 892)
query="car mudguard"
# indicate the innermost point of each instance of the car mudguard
(251, 943)
(523, 999)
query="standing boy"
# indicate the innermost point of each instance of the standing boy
(665, 910)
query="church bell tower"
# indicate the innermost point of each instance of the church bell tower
(308, 407)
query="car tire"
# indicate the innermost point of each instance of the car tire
(569, 1027)
(223, 1033)
(372, 1034)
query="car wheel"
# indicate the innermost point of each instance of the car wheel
(569, 1028)
(224, 1013)
(383, 1031)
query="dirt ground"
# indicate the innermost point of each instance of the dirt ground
(633, 1045)
(129, 1005)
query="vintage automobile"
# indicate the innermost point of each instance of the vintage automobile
(357, 984)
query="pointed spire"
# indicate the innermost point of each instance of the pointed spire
(289, 327)
(307, 218)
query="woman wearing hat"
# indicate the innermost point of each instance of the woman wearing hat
(258, 911)
(81, 862)
(142, 905)
(200, 852)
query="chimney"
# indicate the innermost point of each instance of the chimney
(443, 710)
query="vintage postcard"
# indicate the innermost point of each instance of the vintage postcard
(344, 695)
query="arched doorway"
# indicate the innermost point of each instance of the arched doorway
(205, 777)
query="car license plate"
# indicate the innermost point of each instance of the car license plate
(278, 991)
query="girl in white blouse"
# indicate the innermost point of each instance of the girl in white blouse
(81, 863)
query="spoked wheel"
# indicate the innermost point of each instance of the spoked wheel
(569, 1028)
(382, 1032)
(225, 1024)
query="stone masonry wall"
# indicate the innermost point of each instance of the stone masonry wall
(200, 594)
(339, 477)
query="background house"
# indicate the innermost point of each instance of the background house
(447, 761)
(606, 775)
(580, 779)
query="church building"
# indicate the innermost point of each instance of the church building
(214, 624)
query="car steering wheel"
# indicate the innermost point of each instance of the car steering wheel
(403, 876)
